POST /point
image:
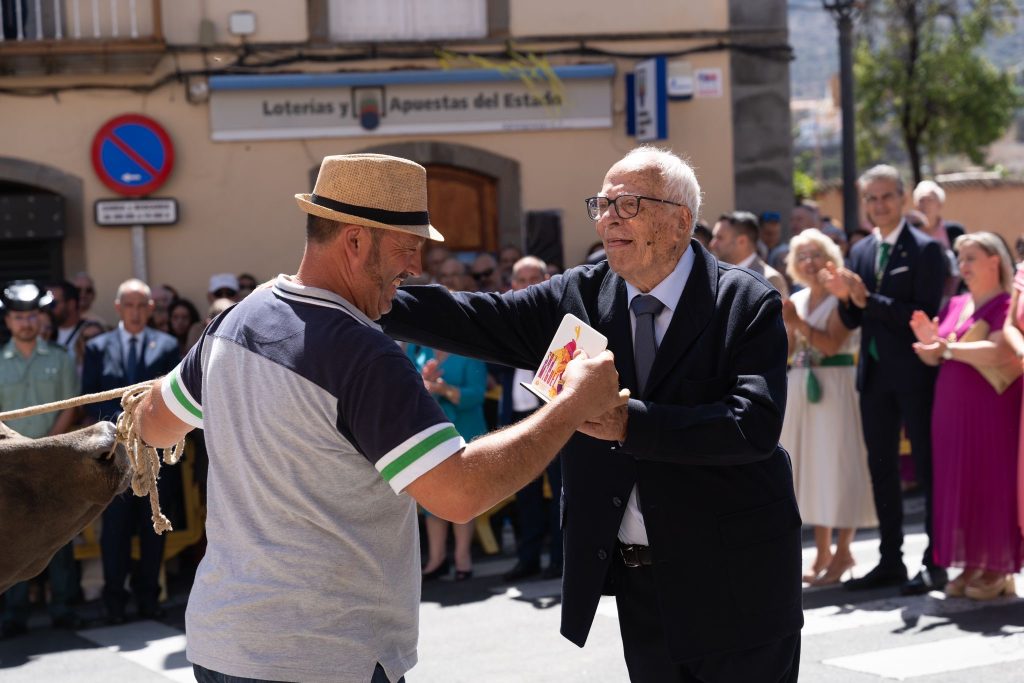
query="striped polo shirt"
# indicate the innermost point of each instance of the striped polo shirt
(314, 421)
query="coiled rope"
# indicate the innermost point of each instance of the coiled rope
(144, 459)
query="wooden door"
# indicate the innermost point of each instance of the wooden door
(463, 205)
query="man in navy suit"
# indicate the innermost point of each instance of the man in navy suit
(680, 504)
(889, 275)
(129, 354)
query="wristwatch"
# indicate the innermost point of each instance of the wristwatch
(947, 353)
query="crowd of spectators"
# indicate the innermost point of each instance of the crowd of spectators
(966, 336)
(56, 347)
(906, 324)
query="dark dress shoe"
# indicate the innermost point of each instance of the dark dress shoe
(151, 613)
(879, 577)
(553, 571)
(521, 571)
(927, 580)
(11, 629)
(115, 619)
(441, 570)
(461, 575)
(70, 622)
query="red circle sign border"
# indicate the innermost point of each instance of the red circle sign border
(140, 190)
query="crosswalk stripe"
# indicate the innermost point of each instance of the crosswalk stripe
(942, 656)
(150, 644)
(889, 611)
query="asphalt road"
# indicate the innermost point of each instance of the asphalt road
(483, 629)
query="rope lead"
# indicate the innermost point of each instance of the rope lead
(143, 458)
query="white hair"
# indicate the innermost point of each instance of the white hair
(881, 172)
(679, 182)
(833, 254)
(133, 285)
(927, 187)
(530, 262)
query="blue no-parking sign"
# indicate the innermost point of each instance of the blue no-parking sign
(132, 155)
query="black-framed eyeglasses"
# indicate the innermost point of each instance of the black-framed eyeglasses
(483, 274)
(224, 293)
(626, 205)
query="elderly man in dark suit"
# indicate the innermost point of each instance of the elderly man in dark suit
(889, 275)
(680, 504)
(129, 354)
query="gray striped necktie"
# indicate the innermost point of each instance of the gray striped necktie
(646, 308)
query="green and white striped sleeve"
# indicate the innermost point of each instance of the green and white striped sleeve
(418, 454)
(182, 400)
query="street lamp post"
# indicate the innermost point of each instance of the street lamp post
(843, 11)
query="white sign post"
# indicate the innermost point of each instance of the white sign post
(137, 214)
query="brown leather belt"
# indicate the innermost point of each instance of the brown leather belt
(636, 555)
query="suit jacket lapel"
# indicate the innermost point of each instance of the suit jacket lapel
(872, 283)
(692, 313)
(898, 254)
(613, 322)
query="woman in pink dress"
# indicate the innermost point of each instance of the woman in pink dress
(975, 424)
(1014, 331)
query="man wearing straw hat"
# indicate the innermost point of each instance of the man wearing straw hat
(314, 421)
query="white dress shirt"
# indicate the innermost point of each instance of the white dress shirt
(749, 261)
(632, 531)
(523, 400)
(891, 239)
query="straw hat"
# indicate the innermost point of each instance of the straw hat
(374, 190)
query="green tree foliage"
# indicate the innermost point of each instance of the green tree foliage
(804, 186)
(920, 79)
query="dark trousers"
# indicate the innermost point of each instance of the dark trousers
(537, 515)
(63, 590)
(127, 515)
(647, 652)
(882, 414)
(204, 675)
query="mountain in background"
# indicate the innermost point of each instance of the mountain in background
(815, 41)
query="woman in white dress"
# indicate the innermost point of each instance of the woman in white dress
(822, 429)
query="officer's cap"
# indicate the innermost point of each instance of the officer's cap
(24, 295)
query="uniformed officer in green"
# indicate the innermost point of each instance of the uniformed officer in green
(33, 372)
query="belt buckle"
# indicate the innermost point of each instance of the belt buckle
(630, 556)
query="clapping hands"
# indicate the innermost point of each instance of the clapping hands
(925, 329)
(929, 346)
(431, 374)
(844, 284)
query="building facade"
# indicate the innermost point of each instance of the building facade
(516, 107)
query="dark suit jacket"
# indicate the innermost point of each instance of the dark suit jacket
(913, 280)
(716, 489)
(103, 366)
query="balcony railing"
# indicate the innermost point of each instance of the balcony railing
(59, 35)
